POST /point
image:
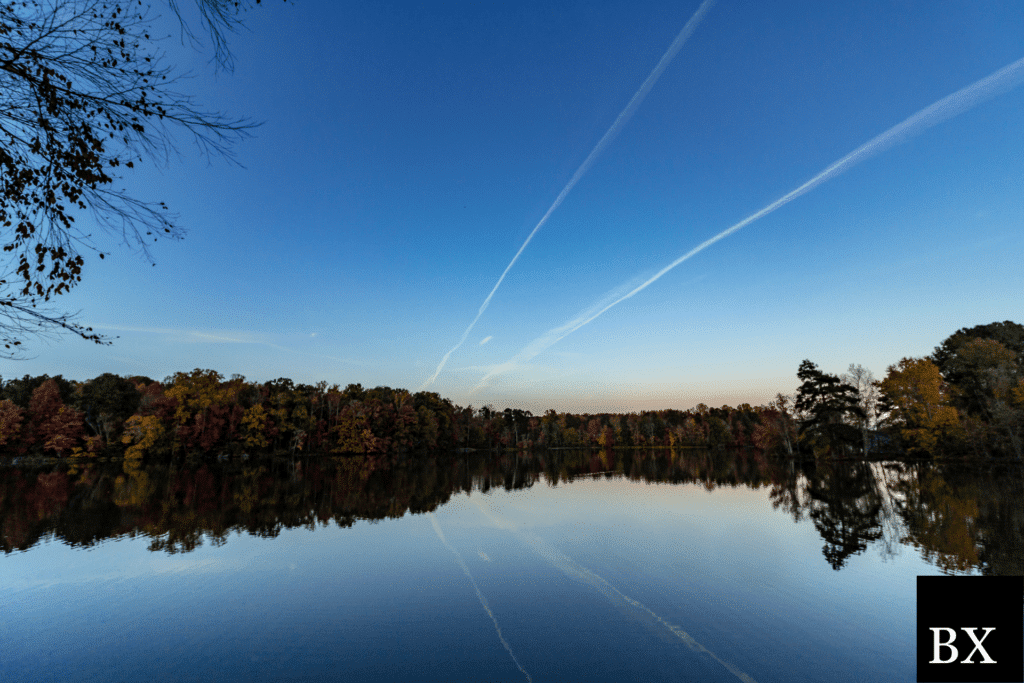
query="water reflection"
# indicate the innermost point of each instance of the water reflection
(581, 574)
(961, 518)
(479, 595)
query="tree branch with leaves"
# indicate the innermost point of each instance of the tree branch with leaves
(84, 96)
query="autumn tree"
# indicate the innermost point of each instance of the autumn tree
(20, 390)
(54, 426)
(84, 96)
(254, 423)
(141, 433)
(352, 430)
(920, 407)
(204, 404)
(11, 417)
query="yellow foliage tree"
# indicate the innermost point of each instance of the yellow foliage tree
(255, 422)
(920, 404)
(196, 391)
(1018, 394)
(352, 423)
(143, 433)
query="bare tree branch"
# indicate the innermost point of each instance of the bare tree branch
(84, 95)
(218, 18)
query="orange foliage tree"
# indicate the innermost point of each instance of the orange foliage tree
(55, 426)
(11, 417)
(920, 403)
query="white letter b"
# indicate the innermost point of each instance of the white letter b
(938, 644)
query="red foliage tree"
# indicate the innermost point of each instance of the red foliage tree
(53, 425)
(11, 418)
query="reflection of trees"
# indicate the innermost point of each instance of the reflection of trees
(960, 519)
(1001, 521)
(182, 504)
(845, 507)
(964, 519)
(941, 519)
(887, 477)
(789, 490)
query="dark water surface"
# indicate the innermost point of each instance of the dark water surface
(661, 567)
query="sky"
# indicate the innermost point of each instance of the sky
(409, 150)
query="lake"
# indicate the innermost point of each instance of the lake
(560, 566)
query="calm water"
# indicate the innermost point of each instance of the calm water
(661, 567)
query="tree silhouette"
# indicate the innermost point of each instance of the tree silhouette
(84, 95)
(828, 405)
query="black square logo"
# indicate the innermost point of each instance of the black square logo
(970, 629)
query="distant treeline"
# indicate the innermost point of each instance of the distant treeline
(966, 399)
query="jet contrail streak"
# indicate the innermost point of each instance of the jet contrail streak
(479, 595)
(1005, 79)
(620, 121)
(574, 570)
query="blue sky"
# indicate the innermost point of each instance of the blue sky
(409, 149)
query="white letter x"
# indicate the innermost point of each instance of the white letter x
(977, 646)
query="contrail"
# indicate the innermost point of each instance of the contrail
(574, 570)
(211, 337)
(1001, 81)
(620, 121)
(479, 595)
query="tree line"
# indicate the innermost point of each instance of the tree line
(966, 399)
